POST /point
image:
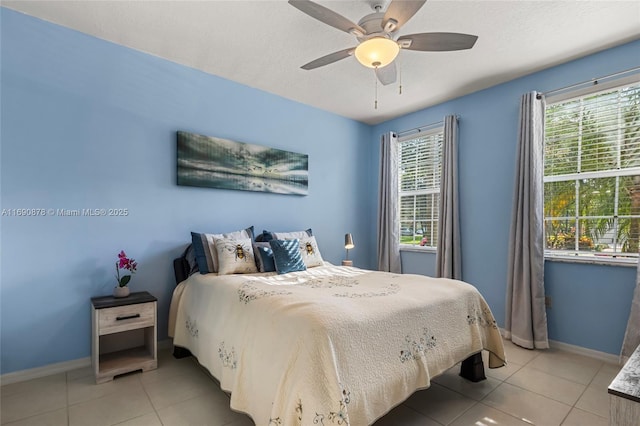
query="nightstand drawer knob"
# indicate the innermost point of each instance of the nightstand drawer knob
(127, 317)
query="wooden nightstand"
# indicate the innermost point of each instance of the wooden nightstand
(124, 337)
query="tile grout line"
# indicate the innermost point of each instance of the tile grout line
(493, 390)
(155, 410)
(573, 406)
(475, 402)
(544, 396)
(552, 399)
(564, 378)
(505, 381)
(585, 390)
(415, 411)
(556, 376)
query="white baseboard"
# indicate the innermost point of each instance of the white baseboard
(59, 367)
(579, 350)
(45, 370)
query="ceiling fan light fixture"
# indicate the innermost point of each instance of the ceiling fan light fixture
(377, 52)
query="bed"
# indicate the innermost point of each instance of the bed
(332, 344)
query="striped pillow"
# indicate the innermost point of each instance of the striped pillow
(287, 256)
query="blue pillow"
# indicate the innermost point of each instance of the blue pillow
(204, 259)
(264, 257)
(287, 256)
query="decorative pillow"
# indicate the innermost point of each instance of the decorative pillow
(264, 257)
(269, 235)
(287, 256)
(205, 250)
(310, 253)
(235, 256)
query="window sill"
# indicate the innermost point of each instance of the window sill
(417, 249)
(593, 260)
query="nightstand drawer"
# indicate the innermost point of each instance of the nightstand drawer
(123, 318)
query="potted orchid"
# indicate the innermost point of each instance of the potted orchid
(121, 290)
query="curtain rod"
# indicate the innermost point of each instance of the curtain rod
(593, 82)
(423, 128)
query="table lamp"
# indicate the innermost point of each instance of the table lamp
(348, 244)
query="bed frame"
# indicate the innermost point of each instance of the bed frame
(471, 368)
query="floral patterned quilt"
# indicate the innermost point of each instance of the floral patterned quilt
(330, 345)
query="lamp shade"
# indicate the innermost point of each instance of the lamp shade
(377, 52)
(348, 241)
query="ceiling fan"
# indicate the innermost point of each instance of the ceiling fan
(376, 33)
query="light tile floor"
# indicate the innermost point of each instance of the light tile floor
(545, 388)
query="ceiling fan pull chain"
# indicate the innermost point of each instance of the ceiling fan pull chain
(400, 74)
(375, 77)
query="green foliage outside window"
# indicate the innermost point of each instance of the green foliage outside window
(592, 173)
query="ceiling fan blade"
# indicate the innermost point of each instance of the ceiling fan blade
(329, 59)
(325, 15)
(437, 42)
(387, 75)
(401, 11)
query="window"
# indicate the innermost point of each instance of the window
(592, 174)
(420, 159)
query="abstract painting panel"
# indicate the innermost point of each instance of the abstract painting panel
(220, 163)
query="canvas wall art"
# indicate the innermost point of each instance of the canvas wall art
(212, 162)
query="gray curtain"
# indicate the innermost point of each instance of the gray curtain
(448, 260)
(388, 221)
(632, 335)
(525, 316)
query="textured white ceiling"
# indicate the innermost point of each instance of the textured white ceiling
(262, 44)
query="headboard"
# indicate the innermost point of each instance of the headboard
(181, 267)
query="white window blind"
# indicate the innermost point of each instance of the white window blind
(592, 174)
(420, 162)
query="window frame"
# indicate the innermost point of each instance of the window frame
(438, 130)
(564, 97)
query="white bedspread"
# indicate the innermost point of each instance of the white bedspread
(331, 345)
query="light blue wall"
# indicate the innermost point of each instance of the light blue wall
(89, 124)
(590, 303)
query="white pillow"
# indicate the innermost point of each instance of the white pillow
(211, 243)
(235, 256)
(310, 252)
(291, 235)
